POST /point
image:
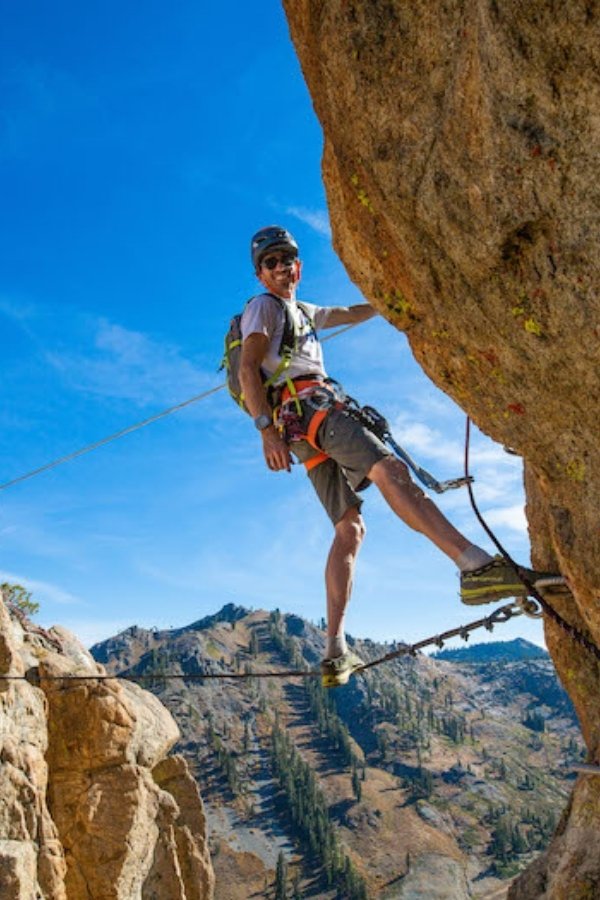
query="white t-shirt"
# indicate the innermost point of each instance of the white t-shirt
(264, 315)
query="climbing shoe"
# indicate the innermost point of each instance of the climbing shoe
(337, 671)
(495, 581)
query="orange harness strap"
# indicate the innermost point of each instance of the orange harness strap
(311, 437)
(287, 393)
(290, 389)
(315, 461)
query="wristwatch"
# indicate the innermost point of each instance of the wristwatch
(263, 421)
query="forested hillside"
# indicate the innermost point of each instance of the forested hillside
(420, 768)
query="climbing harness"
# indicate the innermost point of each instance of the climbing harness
(321, 395)
(325, 394)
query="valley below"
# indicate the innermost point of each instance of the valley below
(424, 777)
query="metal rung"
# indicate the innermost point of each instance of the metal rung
(587, 768)
(550, 581)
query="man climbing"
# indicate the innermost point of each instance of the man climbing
(302, 411)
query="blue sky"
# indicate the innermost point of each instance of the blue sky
(140, 148)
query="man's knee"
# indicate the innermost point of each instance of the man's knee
(350, 530)
(387, 468)
(392, 472)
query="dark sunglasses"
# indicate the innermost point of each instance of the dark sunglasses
(286, 259)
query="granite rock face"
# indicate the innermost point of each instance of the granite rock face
(90, 806)
(463, 178)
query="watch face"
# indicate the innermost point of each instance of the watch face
(262, 422)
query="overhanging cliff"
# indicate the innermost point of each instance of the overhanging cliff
(463, 177)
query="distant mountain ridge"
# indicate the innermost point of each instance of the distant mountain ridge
(516, 650)
(423, 767)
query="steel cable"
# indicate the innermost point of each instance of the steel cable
(571, 630)
(137, 425)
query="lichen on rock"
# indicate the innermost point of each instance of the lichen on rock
(472, 128)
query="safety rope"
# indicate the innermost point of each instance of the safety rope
(111, 437)
(503, 614)
(137, 425)
(532, 591)
(499, 616)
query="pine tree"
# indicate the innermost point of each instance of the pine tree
(296, 890)
(518, 842)
(308, 810)
(535, 721)
(281, 877)
(18, 596)
(500, 844)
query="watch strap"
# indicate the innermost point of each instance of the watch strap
(263, 421)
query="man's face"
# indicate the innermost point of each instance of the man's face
(280, 272)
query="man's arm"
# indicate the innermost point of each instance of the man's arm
(349, 315)
(254, 350)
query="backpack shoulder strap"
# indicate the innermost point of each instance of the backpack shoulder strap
(304, 309)
(288, 336)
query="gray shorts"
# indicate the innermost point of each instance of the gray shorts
(353, 450)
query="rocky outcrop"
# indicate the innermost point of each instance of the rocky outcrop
(90, 805)
(463, 177)
(435, 877)
(182, 853)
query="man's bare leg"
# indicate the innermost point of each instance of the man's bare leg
(420, 513)
(339, 574)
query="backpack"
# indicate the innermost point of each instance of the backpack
(233, 350)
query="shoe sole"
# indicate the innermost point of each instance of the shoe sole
(340, 679)
(553, 584)
(479, 596)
